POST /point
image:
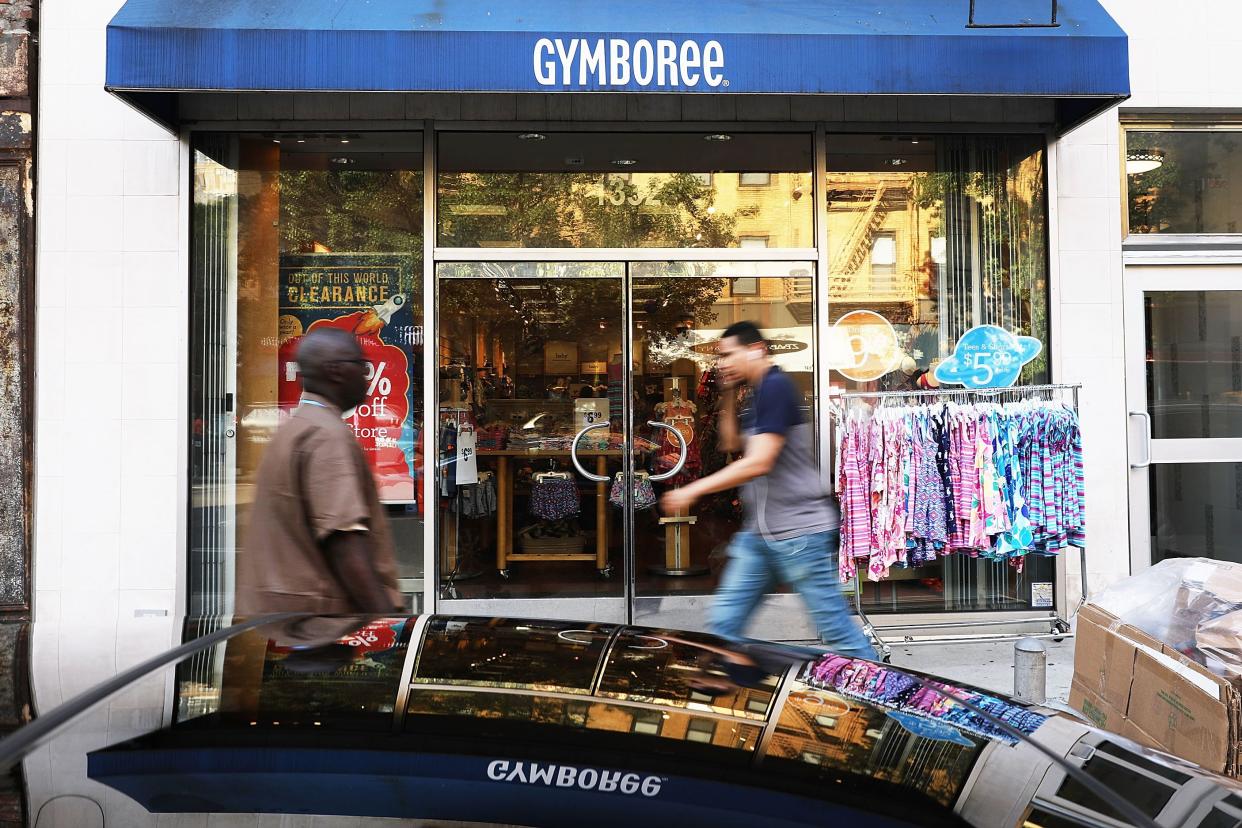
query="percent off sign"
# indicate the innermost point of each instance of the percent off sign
(378, 382)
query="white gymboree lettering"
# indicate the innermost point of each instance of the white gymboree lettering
(569, 776)
(604, 62)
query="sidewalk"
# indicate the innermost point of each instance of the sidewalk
(987, 665)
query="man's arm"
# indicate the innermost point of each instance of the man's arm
(760, 456)
(729, 440)
(349, 555)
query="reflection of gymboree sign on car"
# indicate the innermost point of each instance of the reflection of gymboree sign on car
(988, 356)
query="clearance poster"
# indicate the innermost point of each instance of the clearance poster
(370, 296)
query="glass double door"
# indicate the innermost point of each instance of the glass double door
(1184, 356)
(571, 396)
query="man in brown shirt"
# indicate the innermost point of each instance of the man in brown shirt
(318, 539)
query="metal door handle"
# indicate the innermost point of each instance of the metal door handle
(681, 461)
(1147, 440)
(573, 454)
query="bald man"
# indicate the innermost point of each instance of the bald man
(318, 539)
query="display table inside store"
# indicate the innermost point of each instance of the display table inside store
(504, 508)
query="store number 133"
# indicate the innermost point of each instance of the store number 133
(612, 191)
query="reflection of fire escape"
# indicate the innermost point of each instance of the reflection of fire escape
(843, 270)
(800, 298)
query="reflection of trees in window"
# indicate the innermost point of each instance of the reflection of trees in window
(538, 209)
(583, 310)
(1174, 197)
(990, 196)
(354, 211)
(351, 211)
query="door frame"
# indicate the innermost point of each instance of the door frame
(1142, 450)
(674, 609)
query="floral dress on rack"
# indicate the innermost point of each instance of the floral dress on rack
(930, 532)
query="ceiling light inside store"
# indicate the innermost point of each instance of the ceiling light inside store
(1141, 161)
(624, 162)
(718, 136)
(344, 140)
(532, 136)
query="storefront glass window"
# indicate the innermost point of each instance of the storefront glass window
(530, 353)
(624, 190)
(938, 234)
(928, 237)
(1184, 181)
(290, 232)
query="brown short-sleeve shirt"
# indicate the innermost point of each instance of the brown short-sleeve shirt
(313, 481)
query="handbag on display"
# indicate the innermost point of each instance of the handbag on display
(643, 493)
(554, 496)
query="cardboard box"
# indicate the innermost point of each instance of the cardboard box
(1129, 683)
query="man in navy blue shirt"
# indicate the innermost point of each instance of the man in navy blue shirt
(790, 533)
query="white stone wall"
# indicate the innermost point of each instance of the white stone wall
(111, 313)
(1181, 57)
(1087, 332)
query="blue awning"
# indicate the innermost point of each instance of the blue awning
(844, 47)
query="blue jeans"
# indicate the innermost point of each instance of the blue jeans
(808, 564)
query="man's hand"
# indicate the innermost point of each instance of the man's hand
(349, 556)
(677, 500)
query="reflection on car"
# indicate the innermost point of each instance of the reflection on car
(508, 721)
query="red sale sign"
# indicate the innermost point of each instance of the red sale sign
(367, 296)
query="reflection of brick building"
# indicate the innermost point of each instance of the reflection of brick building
(833, 733)
(880, 246)
(824, 729)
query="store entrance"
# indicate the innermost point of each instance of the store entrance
(572, 395)
(1185, 411)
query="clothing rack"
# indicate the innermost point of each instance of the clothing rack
(449, 538)
(1059, 626)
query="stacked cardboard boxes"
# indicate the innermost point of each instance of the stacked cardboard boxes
(1133, 683)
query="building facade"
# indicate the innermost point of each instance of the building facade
(554, 259)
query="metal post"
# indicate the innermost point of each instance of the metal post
(1030, 671)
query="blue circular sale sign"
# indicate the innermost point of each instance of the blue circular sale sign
(988, 356)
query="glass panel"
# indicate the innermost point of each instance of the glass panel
(928, 237)
(867, 745)
(1184, 182)
(937, 234)
(1196, 511)
(320, 672)
(1145, 793)
(606, 189)
(289, 232)
(1135, 758)
(679, 312)
(688, 670)
(498, 653)
(590, 723)
(1194, 363)
(961, 583)
(1042, 819)
(1220, 818)
(529, 353)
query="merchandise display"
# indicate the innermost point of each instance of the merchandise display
(997, 481)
